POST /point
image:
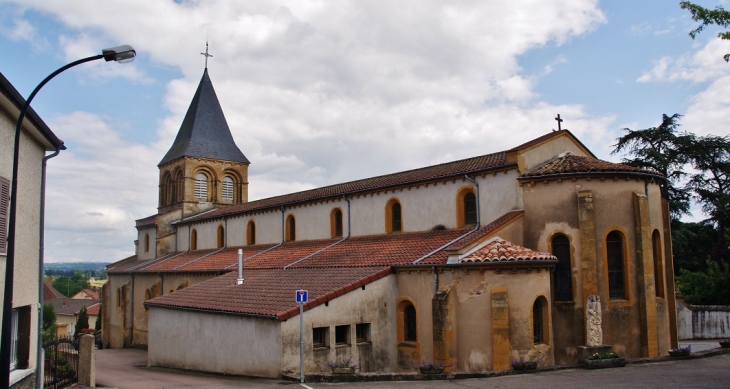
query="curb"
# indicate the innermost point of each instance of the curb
(370, 377)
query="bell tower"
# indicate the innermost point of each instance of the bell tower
(204, 168)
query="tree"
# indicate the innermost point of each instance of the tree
(719, 16)
(97, 325)
(708, 287)
(49, 322)
(82, 322)
(659, 149)
(710, 183)
(71, 285)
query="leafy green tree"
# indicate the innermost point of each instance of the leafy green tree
(659, 149)
(49, 322)
(82, 322)
(71, 285)
(710, 184)
(97, 325)
(706, 288)
(692, 244)
(718, 16)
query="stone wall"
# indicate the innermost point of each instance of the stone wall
(703, 321)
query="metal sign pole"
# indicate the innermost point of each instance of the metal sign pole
(301, 342)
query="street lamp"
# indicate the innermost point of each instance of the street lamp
(121, 54)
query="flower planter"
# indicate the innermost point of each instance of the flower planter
(432, 371)
(604, 363)
(343, 370)
(524, 366)
(679, 353)
(725, 343)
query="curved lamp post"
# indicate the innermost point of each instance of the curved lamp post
(121, 54)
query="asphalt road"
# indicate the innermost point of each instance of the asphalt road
(126, 369)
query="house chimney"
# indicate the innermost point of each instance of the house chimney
(64, 302)
(240, 267)
(50, 280)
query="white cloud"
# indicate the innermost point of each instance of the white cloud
(314, 92)
(702, 65)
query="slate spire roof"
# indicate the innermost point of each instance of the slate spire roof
(204, 131)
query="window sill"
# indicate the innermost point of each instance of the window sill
(564, 302)
(408, 344)
(19, 374)
(342, 345)
(320, 348)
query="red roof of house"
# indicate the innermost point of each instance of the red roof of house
(93, 310)
(270, 292)
(569, 163)
(500, 250)
(91, 293)
(49, 292)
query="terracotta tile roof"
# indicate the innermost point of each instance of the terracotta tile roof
(64, 306)
(270, 292)
(570, 163)
(122, 264)
(501, 250)
(546, 137)
(49, 292)
(91, 293)
(93, 310)
(444, 170)
(486, 230)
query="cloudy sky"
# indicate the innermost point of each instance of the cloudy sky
(317, 92)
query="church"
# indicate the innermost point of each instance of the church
(472, 263)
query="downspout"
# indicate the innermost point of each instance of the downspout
(479, 223)
(330, 246)
(283, 227)
(270, 248)
(435, 280)
(41, 271)
(131, 311)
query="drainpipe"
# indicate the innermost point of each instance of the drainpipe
(348, 214)
(131, 311)
(41, 228)
(240, 267)
(283, 227)
(435, 280)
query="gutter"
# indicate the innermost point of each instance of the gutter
(272, 317)
(585, 174)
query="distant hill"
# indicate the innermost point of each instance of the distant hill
(71, 266)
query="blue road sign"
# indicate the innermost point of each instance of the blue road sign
(301, 296)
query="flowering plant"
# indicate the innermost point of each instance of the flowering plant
(343, 365)
(687, 349)
(430, 366)
(522, 364)
(610, 355)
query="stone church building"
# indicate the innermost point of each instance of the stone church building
(472, 263)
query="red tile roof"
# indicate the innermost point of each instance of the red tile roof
(270, 292)
(91, 293)
(49, 292)
(93, 310)
(444, 170)
(64, 306)
(501, 250)
(486, 230)
(570, 163)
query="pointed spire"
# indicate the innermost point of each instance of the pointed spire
(204, 131)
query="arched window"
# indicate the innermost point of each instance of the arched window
(615, 259)
(540, 321)
(227, 190)
(560, 245)
(656, 243)
(291, 229)
(221, 236)
(180, 182)
(172, 191)
(146, 243)
(336, 223)
(393, 217)
(201, 186)
(409, 323)
(251, 233)
(470, 208)
(165, 189)
(119, 297)
(193, 240)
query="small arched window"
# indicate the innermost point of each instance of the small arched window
(193, 240)
(119, 297)
(251, 233)
(165, 189)
(410, 334)
(291, 229)
(201, 186)
(470, 208)
(221, 236)
(227, 190)
(560, 245)
(656, 243)
(393, 216)
(146, 243)
(336, 223)
(615, 259)
(180, 182)
(540, 321)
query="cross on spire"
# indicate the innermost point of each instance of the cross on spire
(559, 120)
(206, 54)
